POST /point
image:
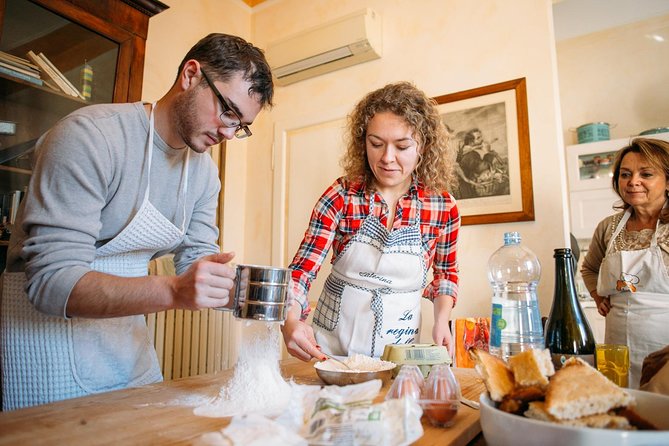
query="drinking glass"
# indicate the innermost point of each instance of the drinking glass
(613, 361)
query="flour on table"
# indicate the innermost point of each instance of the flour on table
(257, 385)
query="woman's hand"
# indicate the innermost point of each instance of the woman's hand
(603, 303)
(441, 331)
(299, 336)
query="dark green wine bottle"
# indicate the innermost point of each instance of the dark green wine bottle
(567, 332)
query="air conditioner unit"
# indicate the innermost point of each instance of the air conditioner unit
(349, 40)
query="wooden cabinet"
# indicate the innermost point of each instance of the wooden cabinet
(105, 36)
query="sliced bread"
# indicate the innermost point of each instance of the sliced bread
(578, 390)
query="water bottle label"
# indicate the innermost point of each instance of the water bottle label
(497, 324)
(560, 358)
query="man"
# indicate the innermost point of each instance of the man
(114, 186)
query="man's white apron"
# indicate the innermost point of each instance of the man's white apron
(638, 286)
(46, 358)
(372, 296)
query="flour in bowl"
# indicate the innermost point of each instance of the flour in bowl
(356, 363)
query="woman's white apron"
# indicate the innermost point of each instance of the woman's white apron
(638, 286)
(47, 358)
(372, 296)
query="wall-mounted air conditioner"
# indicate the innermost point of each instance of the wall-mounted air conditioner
(347, 41)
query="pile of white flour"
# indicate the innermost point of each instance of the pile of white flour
(257, 386)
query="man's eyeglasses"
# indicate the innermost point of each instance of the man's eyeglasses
(229, 117)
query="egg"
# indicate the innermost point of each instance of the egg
(440, 413)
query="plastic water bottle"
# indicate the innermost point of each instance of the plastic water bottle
(514, 272)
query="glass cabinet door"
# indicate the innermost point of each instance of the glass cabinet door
(32, 97)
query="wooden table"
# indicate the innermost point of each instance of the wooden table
(147, 415)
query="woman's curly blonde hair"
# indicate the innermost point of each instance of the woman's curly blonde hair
(434, 168)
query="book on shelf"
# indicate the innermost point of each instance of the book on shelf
(66, 80)
(49, 74)
(18, 61)
(25, 71)
(18, 75)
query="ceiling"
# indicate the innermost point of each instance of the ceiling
(574, 18)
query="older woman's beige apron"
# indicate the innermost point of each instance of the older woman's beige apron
(372, 296)
(47, 358)
(638, 286)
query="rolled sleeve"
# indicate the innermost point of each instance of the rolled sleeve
(445, 267)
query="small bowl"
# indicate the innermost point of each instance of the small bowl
(344, 378)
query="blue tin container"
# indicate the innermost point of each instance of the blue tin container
(594, 131)
(654, 131)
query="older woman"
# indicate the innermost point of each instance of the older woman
(387, 220)
(625, 269)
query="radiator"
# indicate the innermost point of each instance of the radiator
(191, 342)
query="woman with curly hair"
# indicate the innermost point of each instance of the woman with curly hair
(388, 220)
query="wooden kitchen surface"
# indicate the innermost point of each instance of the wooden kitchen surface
(149, 415)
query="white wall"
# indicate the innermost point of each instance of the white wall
(618, 76)
(443, 46)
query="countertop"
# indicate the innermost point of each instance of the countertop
(147, 415)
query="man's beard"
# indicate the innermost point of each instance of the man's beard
(186, 118)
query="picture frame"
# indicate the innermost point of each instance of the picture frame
(490, 131)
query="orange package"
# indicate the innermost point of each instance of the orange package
(469, 333)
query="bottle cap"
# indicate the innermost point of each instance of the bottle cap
(511, 238)
(562, 252)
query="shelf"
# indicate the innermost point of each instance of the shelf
(42, 88)
(15, 170)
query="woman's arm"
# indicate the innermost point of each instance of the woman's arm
(592, 263)
(441, 331)
(443, 290)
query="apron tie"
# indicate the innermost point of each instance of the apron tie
(377, 308)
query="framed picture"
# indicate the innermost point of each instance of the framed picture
(489, 128)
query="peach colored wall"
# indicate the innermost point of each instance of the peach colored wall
(443, 46)
(617, 76)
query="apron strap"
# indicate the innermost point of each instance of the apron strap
(149, 152)
(149, 157)
(626, 216)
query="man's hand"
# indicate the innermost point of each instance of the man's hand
(208, 283)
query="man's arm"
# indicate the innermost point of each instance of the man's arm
(206, 284)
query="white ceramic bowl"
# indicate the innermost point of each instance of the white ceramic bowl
(501, 428)
(333, 374)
